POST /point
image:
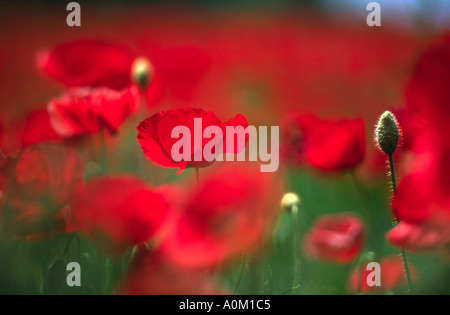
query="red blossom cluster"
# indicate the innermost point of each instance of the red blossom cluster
(181, 232)
(190, 229)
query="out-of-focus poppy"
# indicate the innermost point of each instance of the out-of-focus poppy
(88, 63)
(424, 192)
(336, 238)
(85, 111)
(37, 128)
(429, 235)
(421, 201)
(150, 273)
(422, 204)
(392, 276)
(332, 145)
(427, 93)
(40, 184)
(120, 211)
(155, 136)
(231, 212)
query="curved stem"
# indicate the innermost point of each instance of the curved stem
(403, 252)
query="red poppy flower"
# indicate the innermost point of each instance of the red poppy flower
(429, 235)
(86, 111)
(37, 128)
(392, 275)
(40, 183)
(422, 203)
(427, 94)
(333, 145)
(119, 211)
(424, 193)
(155, 136)
(88, 63)
(150, 273)
(229, 213)
(337, 238)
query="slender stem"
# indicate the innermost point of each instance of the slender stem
(269, 270)
(403, 252)
(296, 249)
(103, 161)
(241, 272)
(2, 155)
(391, 167)
(66, 248)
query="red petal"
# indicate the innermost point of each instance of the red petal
(337, 238)
(240, 141)
(88, 63)
(120, 211)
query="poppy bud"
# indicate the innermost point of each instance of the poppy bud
(290, 202)
(387, 133)
(142, 72)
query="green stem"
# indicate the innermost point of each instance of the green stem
(241, 272)
(391, 167)
(403, 252)
(197, 176)
(296, 249)
(66, 248)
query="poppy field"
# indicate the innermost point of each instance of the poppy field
(233, 149)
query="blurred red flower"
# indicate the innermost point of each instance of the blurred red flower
(154, 135)
(40, 183)
(120, 211)
(421, 201)
(336, 238)
(332, 145)
(85, 111)
(150, 273)
(88, 63)
(231, 212)
(392, 276)
(427, 93)
(37, 128)
(429, 235)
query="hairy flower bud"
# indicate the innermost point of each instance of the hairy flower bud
(142, 72)
(387, 133)
(290, 202)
